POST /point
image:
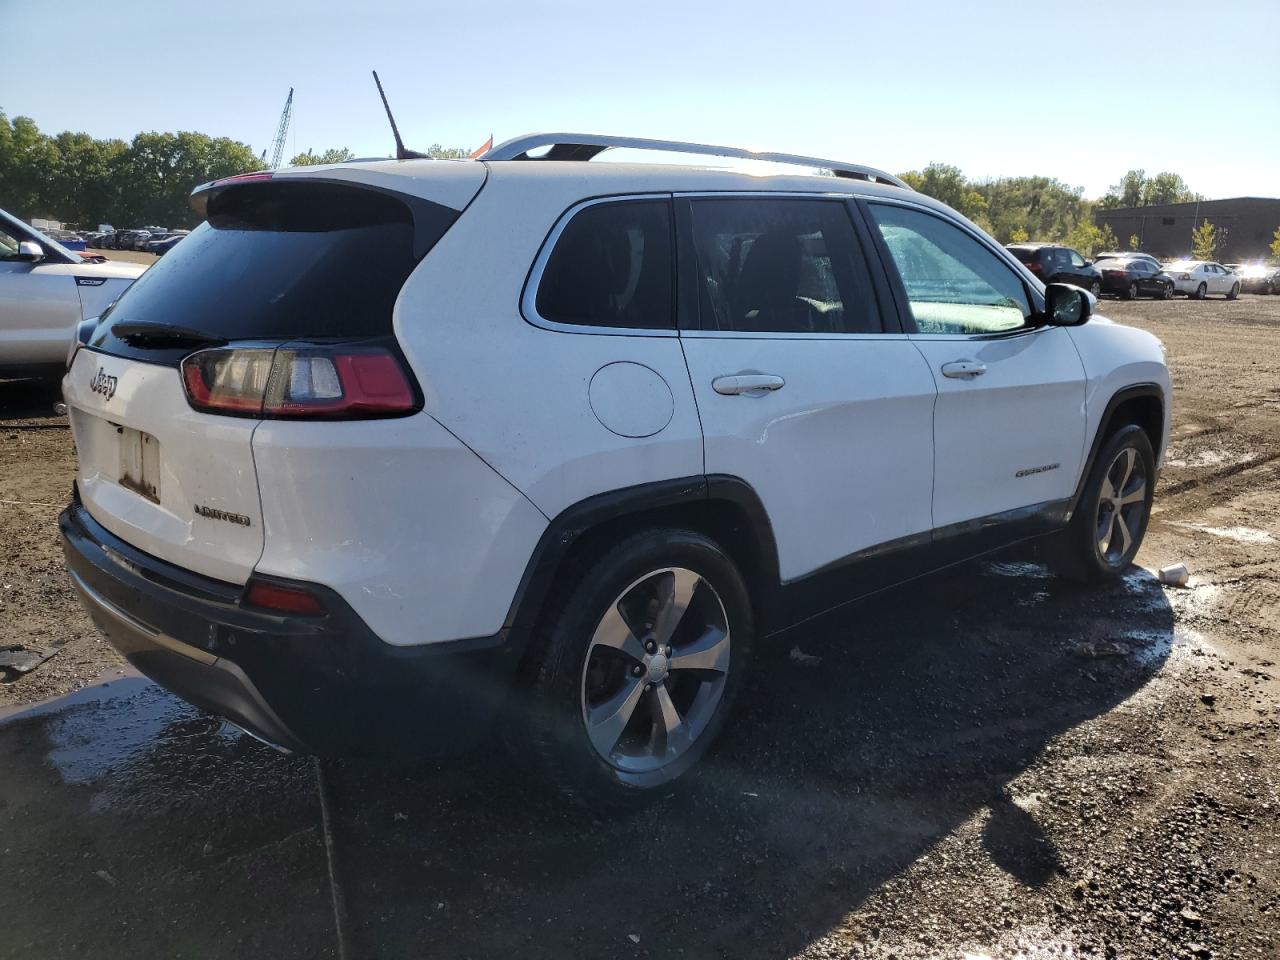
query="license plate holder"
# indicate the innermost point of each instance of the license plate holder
(139, 463)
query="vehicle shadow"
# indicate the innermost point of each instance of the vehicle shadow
(923, 709)
(28, 399)
(924, 704)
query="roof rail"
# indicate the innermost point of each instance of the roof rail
(585, 146)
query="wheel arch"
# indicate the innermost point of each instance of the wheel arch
(1142, 405)
(724, 508)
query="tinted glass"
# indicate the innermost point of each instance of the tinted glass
(1076, 259)
(277, 261)
(780, 266)
(954, 283)
(611, 267)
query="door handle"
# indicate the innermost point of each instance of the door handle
(750, 384)
(963, 369)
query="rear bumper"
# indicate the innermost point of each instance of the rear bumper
(323, 684)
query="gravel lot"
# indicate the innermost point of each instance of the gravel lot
(988, 764)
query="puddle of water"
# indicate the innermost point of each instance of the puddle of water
(1016, 568)
(1239, 534)
(117, 682)
(1213, 458)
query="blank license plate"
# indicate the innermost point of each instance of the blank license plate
(140, 463)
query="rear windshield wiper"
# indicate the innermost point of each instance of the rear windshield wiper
(153, 333)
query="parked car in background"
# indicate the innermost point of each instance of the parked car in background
(591, 569)
(150, 244)
(140, 240)
(1131, 277)
(1260, 278)
(168, 243)
(164, 246)
(1057, 264)
(1201, 278)
(1124, 255)
(45, 291)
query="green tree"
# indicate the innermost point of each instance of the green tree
(1167, 188)
(1204, 241)
(332, 155)
(1134, 242)
(946, 183)
(1275, 244)
(1019, 236)
(1129, 192)
(447, 153)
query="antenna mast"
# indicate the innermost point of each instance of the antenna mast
(277, 147)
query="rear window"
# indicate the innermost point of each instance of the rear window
(276, 261)
(612, 267)
(1024, 255)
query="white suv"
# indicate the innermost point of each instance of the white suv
(385, 449)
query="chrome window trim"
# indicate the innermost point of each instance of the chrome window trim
(529, 296)
(1020, 270)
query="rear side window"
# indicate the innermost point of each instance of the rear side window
(954, 284)
(612, 267)
(780, 266)
(277, 261)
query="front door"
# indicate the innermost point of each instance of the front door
(1009, 425)
(39, 307)
(802, 392)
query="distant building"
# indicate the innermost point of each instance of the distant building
(1247, 226)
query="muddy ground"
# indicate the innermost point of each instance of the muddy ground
(989, 764)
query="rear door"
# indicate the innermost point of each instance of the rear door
(802, 391)
(299, 259)
(1009, 422)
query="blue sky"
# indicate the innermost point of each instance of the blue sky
(1077, 90)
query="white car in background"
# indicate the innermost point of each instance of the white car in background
(1199, 278)
(45, 291)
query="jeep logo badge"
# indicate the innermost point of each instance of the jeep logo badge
(103, 384)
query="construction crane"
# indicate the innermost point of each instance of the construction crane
(277, 147)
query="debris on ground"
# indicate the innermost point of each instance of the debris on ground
(1098, 649)
(1175, 576)
(805, 659)
(108, 878)
(19, 658)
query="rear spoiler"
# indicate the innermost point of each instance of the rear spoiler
(430, 219)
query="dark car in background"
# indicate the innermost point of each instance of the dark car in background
(1134, 276)
(160, 248)
(1124, 255)
(1054, 263)
(1257, 278)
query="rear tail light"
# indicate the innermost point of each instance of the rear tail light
(1033, 265)
(279, 598)
(300, 381)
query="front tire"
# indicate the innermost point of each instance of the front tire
(1201, 291)
(643, 652)
(1168, 292)
(1235, 292)
(1132, 292)
(1111, 516)
(1095, 288)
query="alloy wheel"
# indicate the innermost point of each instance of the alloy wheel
(1133, 291)
(1095, 288)
(655, 670)
(1122, 504)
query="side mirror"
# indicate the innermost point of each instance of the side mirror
(1066, 306)
(29, 250)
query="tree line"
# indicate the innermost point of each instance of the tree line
(1017, 209)
(73, 178)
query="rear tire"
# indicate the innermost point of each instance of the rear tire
(1235, 292)
(1201, 292)
(1111, 516)
(1132, 292)
(1168, 292)
(615, 719)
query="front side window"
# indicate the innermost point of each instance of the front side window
(780, 265)
(611, 267)
(1076, 259)
(954, 284)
